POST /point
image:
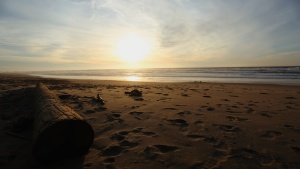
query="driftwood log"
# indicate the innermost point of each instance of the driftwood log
(58, 131)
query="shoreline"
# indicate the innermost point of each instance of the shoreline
(172, 125)
(286, 75)
(283, 82)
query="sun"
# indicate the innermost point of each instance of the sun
(133, 48)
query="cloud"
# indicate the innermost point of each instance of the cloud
(183, 32)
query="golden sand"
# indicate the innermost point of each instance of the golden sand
(172, 125)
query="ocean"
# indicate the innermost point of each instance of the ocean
(262, 75)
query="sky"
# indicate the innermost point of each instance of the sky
(85, 34)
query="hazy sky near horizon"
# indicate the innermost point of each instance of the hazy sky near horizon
(83, 34)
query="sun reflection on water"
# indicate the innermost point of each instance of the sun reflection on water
(133, 78)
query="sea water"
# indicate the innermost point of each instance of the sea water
(264, 75)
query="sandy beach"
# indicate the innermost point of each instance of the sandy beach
(172, 125)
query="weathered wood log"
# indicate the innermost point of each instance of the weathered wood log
(58, 131)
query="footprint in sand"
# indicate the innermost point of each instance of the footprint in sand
(250, 110)
(112, 151)
(206, 96)
(124, 144)
(114, 118)
(296, 149)
(149, 133)
(219, 105)
(228, 110)
(138, 130)
(178, 105)
(207, 164)
(291, 103)
(251, 105)
(155, 150)
(140, 115)
(256, 159)
(198, 122)
(166, 148)
(290, 98)
(109, 160)
(129, 144)
(290, 127)
(179, 122)
(184, 113)
(136, 113)
(185, 95)
(227, 128)
(219, 153)
(231, 118)
(100, 108)
(116, 115)
(89, 112)
(208, 139)
(289, 107)
(265, 115)
(221, 146)
(117, 136)
(271, 134)
(169, 108)
(194, 136)
(239, 103)
(150, 152)
(123, 133)
(64, 96)
(210, 109)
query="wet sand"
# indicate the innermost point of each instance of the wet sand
(172, 125)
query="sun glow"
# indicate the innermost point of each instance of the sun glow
(133, 78)
(133, 48)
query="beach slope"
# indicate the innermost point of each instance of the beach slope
(171, 125)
